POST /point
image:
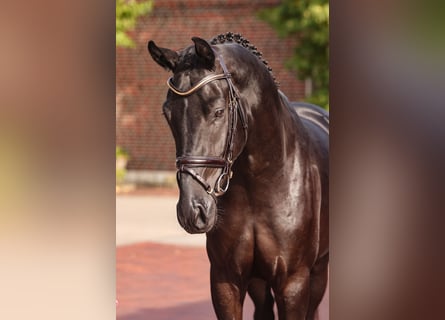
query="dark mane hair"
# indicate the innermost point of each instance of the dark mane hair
(238, 38)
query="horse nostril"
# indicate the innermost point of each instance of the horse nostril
(200, 214)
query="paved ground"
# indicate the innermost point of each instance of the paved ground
(162, 273)
(151, 217)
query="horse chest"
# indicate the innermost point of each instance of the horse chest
(279, 245)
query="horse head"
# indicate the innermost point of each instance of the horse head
(203, 110)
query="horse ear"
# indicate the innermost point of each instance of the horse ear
(166, 58)
(205, 51)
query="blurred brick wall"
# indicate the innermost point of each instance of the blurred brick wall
(140, 82)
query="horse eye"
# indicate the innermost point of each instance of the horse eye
(219, 113)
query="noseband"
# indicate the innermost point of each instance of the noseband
(186, 164)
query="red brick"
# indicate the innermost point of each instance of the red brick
(140, 82)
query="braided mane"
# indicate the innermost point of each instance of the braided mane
(238, 38)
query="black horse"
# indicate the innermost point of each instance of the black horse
(267, 234)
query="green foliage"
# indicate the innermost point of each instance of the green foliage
(127, 12)
(120, 152)
(121, 162)
(308, 22)
(120, 175)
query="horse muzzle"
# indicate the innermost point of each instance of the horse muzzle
(196, 215)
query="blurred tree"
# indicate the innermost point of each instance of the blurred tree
(308, 21)
(127, 12)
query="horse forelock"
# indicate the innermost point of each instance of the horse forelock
(188, 60)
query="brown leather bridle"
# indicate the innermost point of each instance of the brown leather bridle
(186, 164)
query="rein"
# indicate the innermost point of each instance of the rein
(186, 164)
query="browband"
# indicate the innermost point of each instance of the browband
(199, 85)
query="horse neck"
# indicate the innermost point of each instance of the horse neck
(277, 138)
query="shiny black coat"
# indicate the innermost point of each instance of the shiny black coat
(269, 231)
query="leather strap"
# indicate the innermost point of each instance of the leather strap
(195, 175)
(200, 161)
(185, 164)
(199, 85)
